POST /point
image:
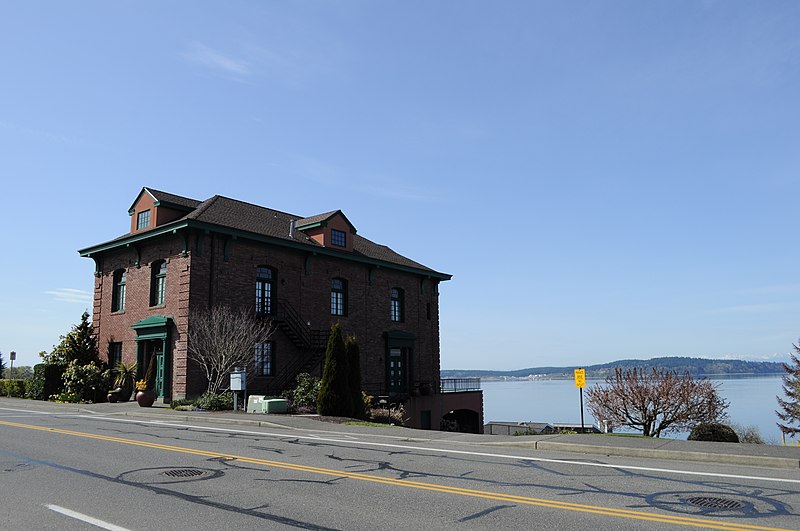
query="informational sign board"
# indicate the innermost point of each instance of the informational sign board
(238, 381)
(12, 356)
(580, 378)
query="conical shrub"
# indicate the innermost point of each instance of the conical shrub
(335, 398)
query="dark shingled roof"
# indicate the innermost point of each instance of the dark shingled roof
(164, 197)
(264, 221)
(316, 219)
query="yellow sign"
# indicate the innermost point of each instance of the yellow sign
(580, 378)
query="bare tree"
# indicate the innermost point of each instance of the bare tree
(222, 339)
(656, 402)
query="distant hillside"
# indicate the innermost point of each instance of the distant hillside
(697, 367)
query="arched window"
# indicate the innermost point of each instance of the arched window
(265, 290)
(158, 282)
(338, 296)
(118, 293)
(397, 306)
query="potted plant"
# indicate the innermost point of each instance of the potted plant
(124, 382)
(145, 394)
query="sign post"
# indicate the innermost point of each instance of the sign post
(12, 356)
(580, 383)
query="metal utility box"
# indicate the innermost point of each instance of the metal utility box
(255, 404)
(276, 405)
(238, 381)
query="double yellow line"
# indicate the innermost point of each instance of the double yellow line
(495, 496)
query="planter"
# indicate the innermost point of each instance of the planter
(120, 394)
(146, 398)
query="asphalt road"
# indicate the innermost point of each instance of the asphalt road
(71, 470)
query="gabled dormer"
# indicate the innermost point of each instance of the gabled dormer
(153, 208)
(332, 230)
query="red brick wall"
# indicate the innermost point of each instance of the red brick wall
(305, 281)
(116, 326)
(220, 270)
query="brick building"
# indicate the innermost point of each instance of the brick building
(305, 273)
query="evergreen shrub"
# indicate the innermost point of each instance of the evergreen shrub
(335, 398)
(214, 402)
(713, 432)
(46, 381)
(303, 398)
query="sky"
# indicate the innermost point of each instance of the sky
(604, 180)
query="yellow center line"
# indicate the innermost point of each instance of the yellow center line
(446, 489)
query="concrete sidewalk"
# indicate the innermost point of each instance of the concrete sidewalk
(611, 445)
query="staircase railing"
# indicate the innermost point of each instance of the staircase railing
(288, 315)
(312, 344)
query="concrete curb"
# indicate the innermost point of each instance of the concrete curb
(549, 445)
(678, 455)
(668, 449)
(658, 453)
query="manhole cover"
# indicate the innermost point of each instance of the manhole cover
(712, 502)
(184, 473)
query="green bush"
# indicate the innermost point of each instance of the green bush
(15, 388)
(214, 402)
(353, 354)
(68, 398)
(175, 404)
(89, 382)
(46, 381)
(713, 432)
(335, 398)
(304, 396)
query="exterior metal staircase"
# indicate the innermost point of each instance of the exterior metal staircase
(310, 343)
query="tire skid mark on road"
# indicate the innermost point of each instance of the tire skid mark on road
(446, 489)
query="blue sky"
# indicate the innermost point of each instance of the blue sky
(603, 179)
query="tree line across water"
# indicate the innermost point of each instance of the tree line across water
(697, 367)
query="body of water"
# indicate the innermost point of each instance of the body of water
(752, 402)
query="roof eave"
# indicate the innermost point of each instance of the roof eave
(221, 229)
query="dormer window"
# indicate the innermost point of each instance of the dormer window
(338, 238)
(328, 230)
(143, 220)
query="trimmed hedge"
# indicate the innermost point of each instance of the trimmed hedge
(46, 381)
(15, 388)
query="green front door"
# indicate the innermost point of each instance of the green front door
(159, 354)
(153, 343)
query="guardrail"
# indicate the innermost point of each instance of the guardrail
(459, 385)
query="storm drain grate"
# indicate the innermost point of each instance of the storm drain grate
(184, 473)
(712, 502)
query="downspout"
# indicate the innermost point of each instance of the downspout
(211, 271)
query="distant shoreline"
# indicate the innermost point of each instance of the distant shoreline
(536, 377)
(697, 367)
